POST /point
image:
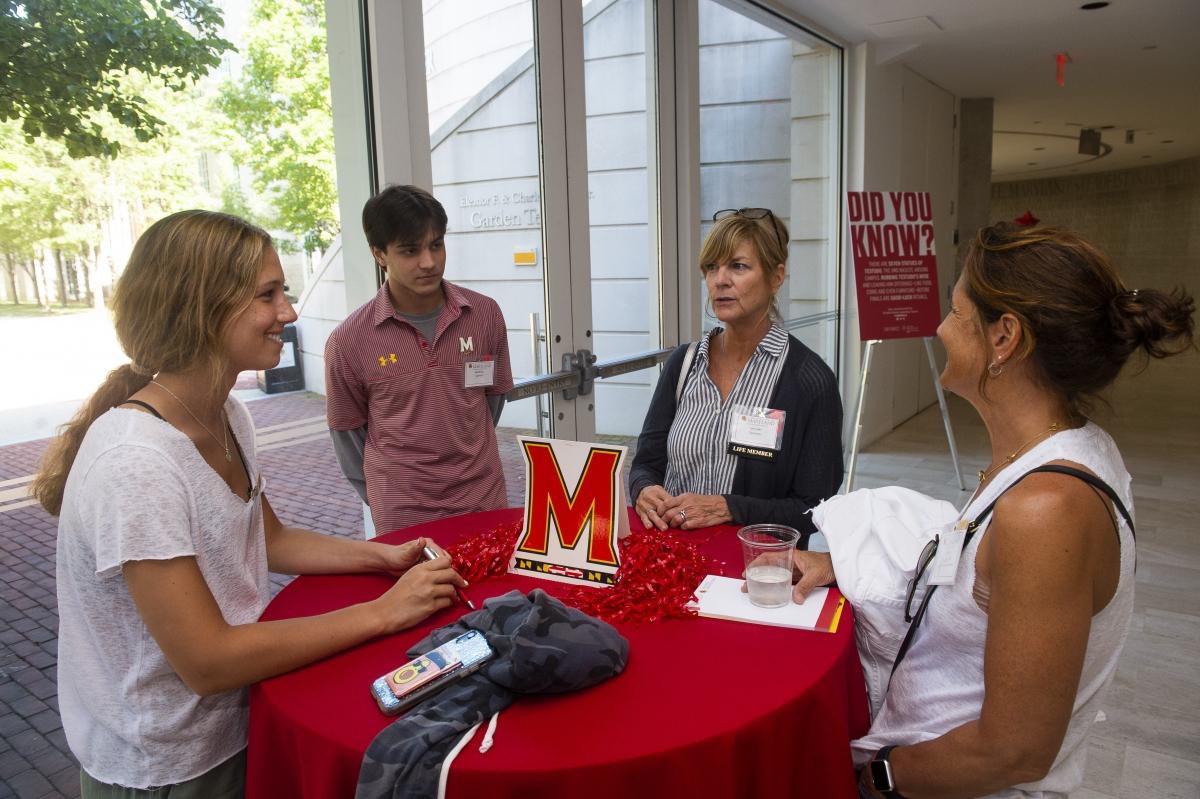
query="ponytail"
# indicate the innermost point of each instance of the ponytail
(121, 384)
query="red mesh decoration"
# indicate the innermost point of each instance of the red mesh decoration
(657, 579)
(483, 555)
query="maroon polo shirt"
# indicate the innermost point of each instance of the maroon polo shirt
(431, 446)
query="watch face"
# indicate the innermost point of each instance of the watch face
(881, 775)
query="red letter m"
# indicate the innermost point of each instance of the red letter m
(590, 504)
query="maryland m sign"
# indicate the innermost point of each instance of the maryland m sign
(574, 512)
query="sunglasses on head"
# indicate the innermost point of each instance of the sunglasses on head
(754, 214)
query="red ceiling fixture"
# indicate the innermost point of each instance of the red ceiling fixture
(1061, 60)
(1027, 219)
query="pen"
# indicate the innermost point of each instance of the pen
(431, 555)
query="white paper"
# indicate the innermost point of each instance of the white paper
(755, 431)
(722, 598)
(479, 374)
(944, 568)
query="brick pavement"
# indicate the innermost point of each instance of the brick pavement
(306, 488)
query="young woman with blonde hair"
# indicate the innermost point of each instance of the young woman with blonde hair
(165, 536)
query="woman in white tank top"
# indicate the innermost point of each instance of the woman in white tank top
(1005, 674)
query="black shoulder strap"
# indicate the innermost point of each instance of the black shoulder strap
(1090, 479)
(1096, 483)
(145, 405)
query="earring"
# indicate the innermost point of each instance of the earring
(995, 368)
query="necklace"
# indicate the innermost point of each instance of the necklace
(984, 475)
(224, 427)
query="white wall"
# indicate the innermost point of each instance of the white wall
(901, 136)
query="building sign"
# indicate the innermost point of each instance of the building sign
(500, 210)
(574, 512)
(895, 268)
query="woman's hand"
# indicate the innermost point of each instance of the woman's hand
(649, 506)
(423, 589)
(400, 558)
(813, 569)
(692, 511)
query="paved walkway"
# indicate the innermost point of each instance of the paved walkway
(306, 489)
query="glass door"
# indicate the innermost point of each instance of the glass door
(507, 139)
(769, 138)
(555, 147)
(623, 152)
(484, 133)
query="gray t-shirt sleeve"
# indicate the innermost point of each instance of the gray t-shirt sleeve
(496, 403)
(348, 446)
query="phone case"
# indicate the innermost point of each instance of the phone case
(427, 674)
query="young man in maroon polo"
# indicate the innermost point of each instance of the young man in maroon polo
(415, 378)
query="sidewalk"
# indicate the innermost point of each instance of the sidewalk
(306, 488)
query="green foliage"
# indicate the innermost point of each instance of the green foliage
(281, 108)
(63, 65)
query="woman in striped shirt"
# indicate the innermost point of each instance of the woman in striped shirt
(745, 426)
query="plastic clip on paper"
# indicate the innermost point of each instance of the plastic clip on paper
(431, 555)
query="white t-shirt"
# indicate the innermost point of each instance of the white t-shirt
(140, 490)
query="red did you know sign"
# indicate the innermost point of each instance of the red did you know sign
(891, 235)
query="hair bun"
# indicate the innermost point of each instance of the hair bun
(1160, 323)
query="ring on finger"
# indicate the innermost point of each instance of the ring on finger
(682, 515)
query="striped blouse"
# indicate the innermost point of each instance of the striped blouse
(697, 460)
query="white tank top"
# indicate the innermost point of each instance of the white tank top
(939, 684)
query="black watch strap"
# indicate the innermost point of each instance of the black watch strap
(880, 773)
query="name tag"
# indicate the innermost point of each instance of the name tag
(945, 563)
(755, 432)
(479, 373)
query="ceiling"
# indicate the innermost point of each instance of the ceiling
(1134, 66)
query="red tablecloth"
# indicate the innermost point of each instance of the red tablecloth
(706, 707)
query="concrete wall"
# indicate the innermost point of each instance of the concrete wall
(1148, 222)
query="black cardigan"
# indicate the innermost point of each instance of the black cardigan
(808, 468)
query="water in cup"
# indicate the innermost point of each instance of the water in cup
(767, 549)
(769, 586)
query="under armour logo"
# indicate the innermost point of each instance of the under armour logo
(466, 344)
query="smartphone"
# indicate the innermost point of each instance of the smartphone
(425, 675)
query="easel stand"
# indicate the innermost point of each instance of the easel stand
(862, 393)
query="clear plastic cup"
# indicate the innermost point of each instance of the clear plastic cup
(768, 549)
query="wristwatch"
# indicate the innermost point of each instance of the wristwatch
(879, 773)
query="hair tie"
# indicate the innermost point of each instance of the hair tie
(140, 370)
(1133, 294)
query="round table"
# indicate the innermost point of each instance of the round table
(705, 707)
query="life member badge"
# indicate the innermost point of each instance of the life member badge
(755, 432)
(479, 374)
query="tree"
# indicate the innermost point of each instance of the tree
(280, 105)
(63, 64)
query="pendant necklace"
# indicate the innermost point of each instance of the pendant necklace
(224, 426)
(984, 475)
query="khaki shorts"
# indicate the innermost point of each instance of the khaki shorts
(226, 781)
